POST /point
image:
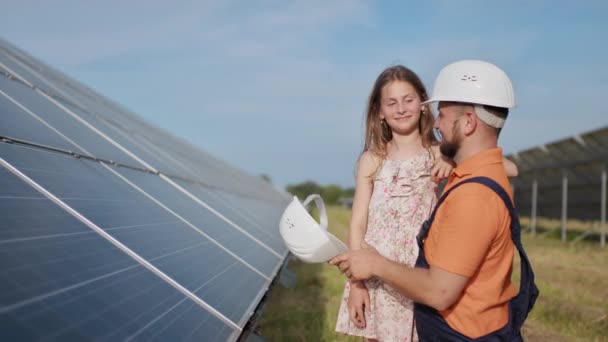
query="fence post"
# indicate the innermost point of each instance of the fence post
(564, 206)
(603, 211)
(534, 203)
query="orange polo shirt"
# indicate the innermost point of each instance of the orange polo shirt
(471, 236)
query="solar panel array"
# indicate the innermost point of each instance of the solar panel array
(564, 179)
(113, 229)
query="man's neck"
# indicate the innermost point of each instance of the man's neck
(470, 148)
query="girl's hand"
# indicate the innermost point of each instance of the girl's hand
(510, 167)
(358, 303)
(441, 169)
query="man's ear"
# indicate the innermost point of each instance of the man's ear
(470, 121)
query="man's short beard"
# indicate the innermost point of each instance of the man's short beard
(449, 149)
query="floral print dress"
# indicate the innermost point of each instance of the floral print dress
(402, 198)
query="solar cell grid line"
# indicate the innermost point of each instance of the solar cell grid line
(19, 68)
(152, 168)
(54, 268)
(94, 129)
(11, 73)
(253, 211)
(60, 84)
(36, 68)
(206, 223)
(64, 95)
(52, 116)
(54, 75)
(122, 138)
(25, 72)
(20, 122)
(194, 158)
(118, 244)
(222, 176)
(258, 211)
(267, 213)
(80, 120)
(226, 219)
(47, 94)
(85, 151)
(270, 211)
(185, 172)
(169, 247)
(203, 196)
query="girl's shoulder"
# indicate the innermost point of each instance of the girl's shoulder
(368, 157)
(368, 164)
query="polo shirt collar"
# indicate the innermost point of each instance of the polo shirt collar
(469, 165)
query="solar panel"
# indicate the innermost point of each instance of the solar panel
(239, 215)
(263, 258)
(41, 108)
(580, 159)
(61, 281)
(17, 123)
(189, 243)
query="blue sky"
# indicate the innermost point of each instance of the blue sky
(279, 87)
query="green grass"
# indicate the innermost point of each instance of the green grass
(573, 304)
(308, 311)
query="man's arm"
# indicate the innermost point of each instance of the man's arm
(452, 263)
(433, 287)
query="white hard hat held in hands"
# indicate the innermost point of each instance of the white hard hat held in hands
(307, 239)
(475, 82)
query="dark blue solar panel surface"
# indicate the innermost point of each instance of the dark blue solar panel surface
(150, 231)
(206, 221)
(265, 214)
(268, 212)
(61, 281)
(237, 215)
(65, 123)
(124, 138)
(17, 123)
(195, 163)
(21, 71)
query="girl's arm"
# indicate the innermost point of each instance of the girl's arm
(510, 167)
(358, 298)
(366, 168)
(443, 166)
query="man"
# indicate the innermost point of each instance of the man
(462, 280)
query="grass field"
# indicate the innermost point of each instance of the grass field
(573, 280)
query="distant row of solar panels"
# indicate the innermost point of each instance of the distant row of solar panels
(112, 229)
(578, 163)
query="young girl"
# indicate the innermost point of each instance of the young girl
(395, 191)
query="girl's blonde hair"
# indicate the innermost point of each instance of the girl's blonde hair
(378, 134)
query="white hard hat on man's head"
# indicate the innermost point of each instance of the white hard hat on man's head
(308, 240)
(475, 82)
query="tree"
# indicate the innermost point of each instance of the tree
(302, 190)
(330, 193)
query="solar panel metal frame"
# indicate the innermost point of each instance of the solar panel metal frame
(261, 190)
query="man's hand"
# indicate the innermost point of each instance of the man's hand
(358, 303)
(357, 264)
